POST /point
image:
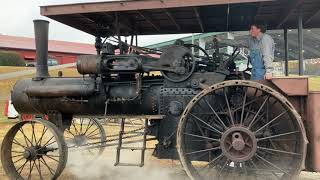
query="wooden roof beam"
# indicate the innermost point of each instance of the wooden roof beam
(308, 20)
(289, 10)
(149, 20)
(198, 18)
(112, 6)
(87, 18)
(172, 19)
(121, 24)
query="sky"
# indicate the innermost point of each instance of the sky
(16, 18)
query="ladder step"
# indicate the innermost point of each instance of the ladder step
(129, 164)
(133, 148)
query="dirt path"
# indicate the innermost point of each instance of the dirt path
(31, 71)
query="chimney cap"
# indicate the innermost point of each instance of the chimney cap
(41, 20)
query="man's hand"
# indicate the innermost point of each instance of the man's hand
(268, 76)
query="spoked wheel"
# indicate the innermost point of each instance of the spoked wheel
(34, 150)
(86, 136)
(241, 130)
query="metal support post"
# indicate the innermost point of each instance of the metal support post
(300, 34)
(286, 53)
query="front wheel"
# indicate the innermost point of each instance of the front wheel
(34, 149)
(241, 130)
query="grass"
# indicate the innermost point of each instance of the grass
(9, 69)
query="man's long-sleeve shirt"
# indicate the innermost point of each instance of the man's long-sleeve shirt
(265, 43)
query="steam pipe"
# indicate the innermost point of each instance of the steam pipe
(41, 30)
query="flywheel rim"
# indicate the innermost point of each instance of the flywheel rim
(295, 120)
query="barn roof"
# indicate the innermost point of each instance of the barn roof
(25, 43)
(145, 17)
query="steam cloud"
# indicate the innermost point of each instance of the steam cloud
(103, 167)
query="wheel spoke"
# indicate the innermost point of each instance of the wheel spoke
(33, 134)
(51, 157)
(254, 118)
(224, 165)
(40, 168)
(45, 144)
(243, 105)
(49, 144)
(88, 126)
(203, 137)
(274, 119)
(18, 160)
(204, 150)
(279, 151)
(214, 160)
(17, 152)
(92, 132)
(211, 127)
(215, 113)
(44, 130)
(91, 136)
(25, 137)
(74, 126)
(39, 171)
(31, 168)
(67, 130)
(278, 135)
(250, 102)
(17, 143)
(273, 165)
(228, 105)
(199, 127)
(81, 122)
(45, 163)
(17, 155)
(19, 170)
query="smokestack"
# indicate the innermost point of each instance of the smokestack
(41, 30)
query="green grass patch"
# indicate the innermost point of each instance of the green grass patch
(314, 83)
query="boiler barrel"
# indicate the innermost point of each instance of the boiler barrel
(78, 96)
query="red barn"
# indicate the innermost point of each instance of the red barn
(63, 52)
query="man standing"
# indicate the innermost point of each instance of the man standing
(261, 48)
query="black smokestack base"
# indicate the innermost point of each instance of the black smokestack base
(41, 30)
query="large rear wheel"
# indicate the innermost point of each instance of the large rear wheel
(241, 130)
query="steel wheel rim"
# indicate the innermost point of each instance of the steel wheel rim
(181, 144)
(44, 156)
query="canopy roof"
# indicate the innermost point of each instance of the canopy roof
(149, 17)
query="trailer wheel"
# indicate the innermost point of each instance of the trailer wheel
(34, 149)
(87, 137)
(241, 130)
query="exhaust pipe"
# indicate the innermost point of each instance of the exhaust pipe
(41, 30)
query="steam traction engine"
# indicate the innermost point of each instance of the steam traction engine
(205, 113)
